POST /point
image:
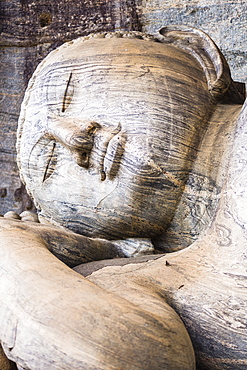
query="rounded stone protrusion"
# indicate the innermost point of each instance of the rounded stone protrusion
(12, 214)
(29, 216)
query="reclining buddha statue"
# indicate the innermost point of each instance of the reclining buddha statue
(133, 148)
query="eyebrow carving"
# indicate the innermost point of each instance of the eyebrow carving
(65, 97)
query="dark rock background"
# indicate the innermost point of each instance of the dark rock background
(31, 29)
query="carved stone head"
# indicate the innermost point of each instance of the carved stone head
(110, 127)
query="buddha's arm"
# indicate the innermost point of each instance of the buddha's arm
(69, 247)
(52, 318)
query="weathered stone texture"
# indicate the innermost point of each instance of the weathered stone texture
(148, 143)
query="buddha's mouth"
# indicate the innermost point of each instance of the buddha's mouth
(111, 158)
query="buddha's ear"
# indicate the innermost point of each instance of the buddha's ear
(217, 72)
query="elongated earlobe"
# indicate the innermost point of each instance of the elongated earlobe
(217, 72)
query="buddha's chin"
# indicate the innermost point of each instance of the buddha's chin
(118, 230)
(111, 224)
(131, 210)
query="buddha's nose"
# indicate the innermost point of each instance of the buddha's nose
(75, 135)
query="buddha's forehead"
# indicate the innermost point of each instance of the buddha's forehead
(103, 70)
(115, 47)
(116, 55)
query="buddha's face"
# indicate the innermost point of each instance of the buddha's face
(114, 128)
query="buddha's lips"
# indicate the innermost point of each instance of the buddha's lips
(112, 153)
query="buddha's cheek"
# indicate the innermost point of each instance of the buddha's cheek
(140, 202)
